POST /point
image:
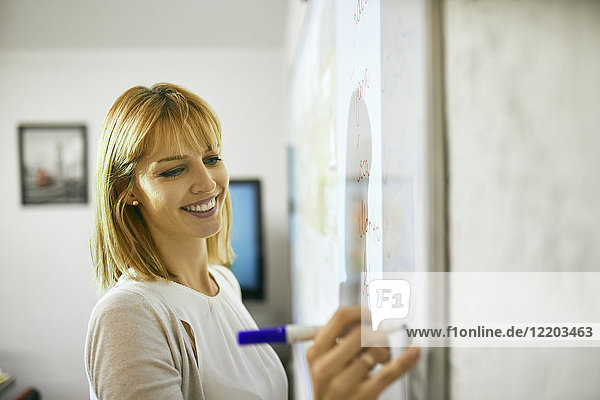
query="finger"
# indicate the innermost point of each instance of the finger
(371, 338)
(326, 337)
(364, 363)
(350, 345)
(338, 357)
(346, 382)
(390, 371)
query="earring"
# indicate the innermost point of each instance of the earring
(135, 203)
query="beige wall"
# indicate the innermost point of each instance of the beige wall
(523, 130)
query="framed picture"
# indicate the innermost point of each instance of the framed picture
(53, 164)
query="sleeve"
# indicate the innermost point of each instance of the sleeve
(127, 351)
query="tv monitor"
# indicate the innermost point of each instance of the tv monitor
(246, 237)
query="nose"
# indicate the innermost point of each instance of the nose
(203, 181)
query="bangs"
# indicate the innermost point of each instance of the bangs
(193, 126)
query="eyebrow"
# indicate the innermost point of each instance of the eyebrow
(172, 158)
(181, 157)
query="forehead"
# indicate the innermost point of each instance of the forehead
(165, 154)
(168, 140)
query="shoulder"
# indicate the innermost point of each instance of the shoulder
(129, 305)
(132, 318)
(229, 278)
(127, 296)
(134, 347)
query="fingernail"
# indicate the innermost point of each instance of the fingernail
(413, 353)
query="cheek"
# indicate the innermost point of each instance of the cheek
(221, 177)
(152, 195)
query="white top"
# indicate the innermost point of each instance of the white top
(224, 370)
(227, 370)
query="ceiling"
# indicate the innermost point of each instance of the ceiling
(40, 24)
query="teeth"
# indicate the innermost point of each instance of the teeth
(201, 208)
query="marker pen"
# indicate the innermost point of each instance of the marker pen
(296, 333)
(278, 334)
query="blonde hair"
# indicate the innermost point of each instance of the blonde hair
(141, 120)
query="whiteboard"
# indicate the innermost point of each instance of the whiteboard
(367, 163)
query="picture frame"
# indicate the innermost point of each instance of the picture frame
(53, 164)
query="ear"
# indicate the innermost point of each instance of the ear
(121, 186)
(132, 200)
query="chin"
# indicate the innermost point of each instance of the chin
(208, 233)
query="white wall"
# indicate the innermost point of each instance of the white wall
(46, 292)
(294, 27)
(522, 98)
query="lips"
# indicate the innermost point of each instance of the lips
(201, 202)
(203, 208)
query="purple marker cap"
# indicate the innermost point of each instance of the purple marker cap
(274, 334)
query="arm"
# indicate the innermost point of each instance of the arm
(127, 351)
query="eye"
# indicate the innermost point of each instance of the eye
(212, 161)
(172, 173)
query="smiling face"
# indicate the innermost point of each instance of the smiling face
(158, 174)
(181, 192)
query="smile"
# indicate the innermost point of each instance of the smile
(204, 208)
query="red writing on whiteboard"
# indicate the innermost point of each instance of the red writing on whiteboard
(359, 9)
(366, 275)
(363, 170)
(361, 87)
(365, 224)
(363, 84)
(365, 281)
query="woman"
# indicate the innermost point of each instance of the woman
(167, 327)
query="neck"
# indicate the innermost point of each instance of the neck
(187, 259)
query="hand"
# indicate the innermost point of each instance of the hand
(339, 368)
